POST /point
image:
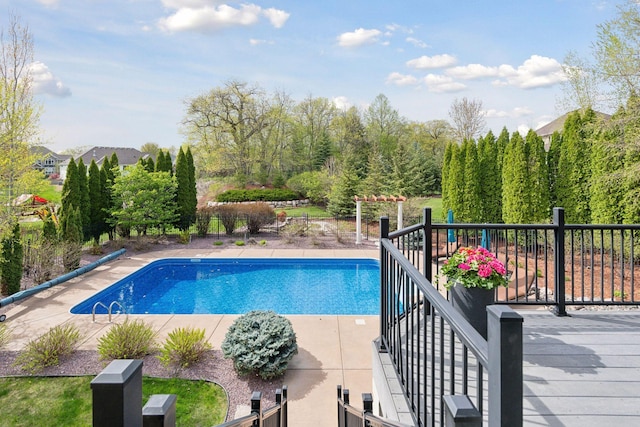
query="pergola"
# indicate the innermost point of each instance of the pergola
(373, 199)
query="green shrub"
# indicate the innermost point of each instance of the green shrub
(260, 343)
(46, 350)
(262, 243)
(184, 347)
(184, 237)
(218, 243)
(257, 216)
(315, 186)
(130, 340)
(258, 195)
(239, 242)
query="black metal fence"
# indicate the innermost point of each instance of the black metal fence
(348, 416)
(554, 264)
(435, 352)
(276, 416)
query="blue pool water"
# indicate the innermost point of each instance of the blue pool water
(235, 286)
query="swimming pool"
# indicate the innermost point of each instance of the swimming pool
(236, 286)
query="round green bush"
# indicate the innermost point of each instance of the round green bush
(260, 343)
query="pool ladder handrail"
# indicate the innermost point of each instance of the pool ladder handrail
(109, 309)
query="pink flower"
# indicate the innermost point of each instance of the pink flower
(498, 267)
(464, 266)
(485, 271)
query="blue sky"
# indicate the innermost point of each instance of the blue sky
(118, 72)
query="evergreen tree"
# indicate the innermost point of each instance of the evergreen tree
(97, 203)
(553, 155)
(185, 192)
(374, 184)
(192, 201)
(343, 191)
(84, 207)
(446, 167)
(572, 184)
(400, 178)
(631, 180)
(490, 179)
(515, 198)
(70, 190)
(159, 161)
(71, 233)
(456, 180)
(107, 178)
(322, 151)
(471, 208)
(538, 174)
(150, 165)
(11, 265)
(49, 230)
(115, 165)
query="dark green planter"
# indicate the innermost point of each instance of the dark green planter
(472, 304)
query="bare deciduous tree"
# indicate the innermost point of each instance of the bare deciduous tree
(468, 118)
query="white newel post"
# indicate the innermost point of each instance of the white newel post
(358, 222)
(400, 215)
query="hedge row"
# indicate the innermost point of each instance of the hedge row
(258, 195)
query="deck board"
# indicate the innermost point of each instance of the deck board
(582, 370)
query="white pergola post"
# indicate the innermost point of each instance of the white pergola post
(358, 222)
(399, 214)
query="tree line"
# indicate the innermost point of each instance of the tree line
(590, 169)
(106, 200)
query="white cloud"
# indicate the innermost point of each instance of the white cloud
(342, 103)
(276, 17)
(402, 79)
(441, 84)
(44, 82)
(256, 42)
(537, 71)
(416, 42)
(430, 62)
(199, 15)
(358, 37)
(395, 27)
(48, 2)
(515, 113)
(523, 130)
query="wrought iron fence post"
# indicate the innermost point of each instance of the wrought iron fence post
(384, 234)
(505, 366)
(427, 243)
(558, 255)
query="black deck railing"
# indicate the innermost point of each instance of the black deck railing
(554, 264)
(348, 416)
(435, 352)
(275, 416)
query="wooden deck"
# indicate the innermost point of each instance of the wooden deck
(582, 370)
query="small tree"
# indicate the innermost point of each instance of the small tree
(12, 258)
(228, 216)
(143, 199)
(257, 216)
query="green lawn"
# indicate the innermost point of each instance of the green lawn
(66, 401)
(435, 203)
(312, 211)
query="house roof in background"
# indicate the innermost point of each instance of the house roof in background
(43, 151)
(126, 155)
(558, 124)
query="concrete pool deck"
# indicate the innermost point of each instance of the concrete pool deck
(332, 349)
